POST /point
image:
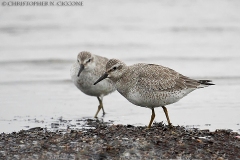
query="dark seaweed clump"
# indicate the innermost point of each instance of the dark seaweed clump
(104, 141)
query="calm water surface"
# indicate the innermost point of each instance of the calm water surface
(199, 39)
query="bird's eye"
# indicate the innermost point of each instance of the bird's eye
(114, 68)
(88, 60)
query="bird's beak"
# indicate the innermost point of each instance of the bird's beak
(105, 75)
(80, 69)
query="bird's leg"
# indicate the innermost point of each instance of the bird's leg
(166, 113)
(152, 118)
(101, 103)
(99, 107)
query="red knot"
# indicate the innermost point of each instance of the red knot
(150, 85)
(85, 71)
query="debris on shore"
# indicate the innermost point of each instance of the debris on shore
(99, 140)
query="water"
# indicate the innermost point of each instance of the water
(199, 39)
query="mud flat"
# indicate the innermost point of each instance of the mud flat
(101, 140)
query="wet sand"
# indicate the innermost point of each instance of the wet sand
(104, 140)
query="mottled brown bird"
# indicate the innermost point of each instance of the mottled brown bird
(150, 85)
(85, 71)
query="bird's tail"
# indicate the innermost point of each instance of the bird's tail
(205, 83)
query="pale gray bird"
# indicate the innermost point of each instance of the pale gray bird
(150, 85)
(85, 71)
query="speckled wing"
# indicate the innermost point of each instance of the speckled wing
(158, 78)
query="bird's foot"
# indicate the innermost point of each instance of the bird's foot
(170, 125)
(103, 114)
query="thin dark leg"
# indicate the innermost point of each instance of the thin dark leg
(152, 118)
(99, 107)
(166, 113)
(101, 103)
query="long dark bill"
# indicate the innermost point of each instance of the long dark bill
(80, 69)
(105, 75)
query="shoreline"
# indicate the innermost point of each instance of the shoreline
(99, 140)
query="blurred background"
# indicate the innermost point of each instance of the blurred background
(200, 39)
